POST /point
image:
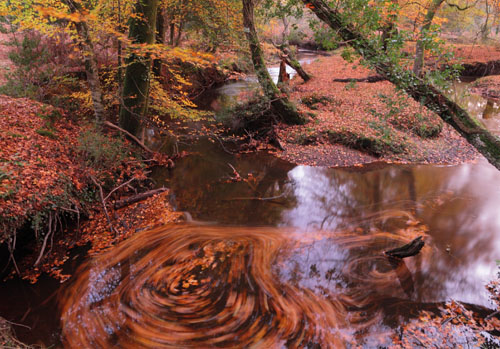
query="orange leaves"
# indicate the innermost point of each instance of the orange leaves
(137, 217)
(60, 14)
(343, 115)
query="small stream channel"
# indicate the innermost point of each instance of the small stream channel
(458, 206)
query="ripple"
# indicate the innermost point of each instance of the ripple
(198, 286)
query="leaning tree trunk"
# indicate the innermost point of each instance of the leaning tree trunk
(136, 83)
(295, 64)
(425, 93)
(281, 105)
(90, 61)
(418, 64)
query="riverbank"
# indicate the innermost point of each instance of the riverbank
(54, 173)
(488, 87)
(354, 122)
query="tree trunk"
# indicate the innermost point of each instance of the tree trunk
(179, 34)
(136, 83)
(283, 76)
(281, 105)
(388, 33)
(485, 29)
(119, 51)
(90, 62)
(295, 64)
(418, 64)
(160, 39)
(172, 32)
(426, 94)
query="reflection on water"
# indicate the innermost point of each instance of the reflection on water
(230, 93)
(486, 110)
(319, 277)
(459, 205)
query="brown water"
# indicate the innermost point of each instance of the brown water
(485, 110)
(290, 258)
(305, 268)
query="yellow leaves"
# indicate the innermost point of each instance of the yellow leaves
(54, 13)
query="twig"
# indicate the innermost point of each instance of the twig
(103, 204)
(46, 238)
(237, 176)
(11, 248)
(109, 124)
(118, 187)
(495, 313)
(271, 199)
(16, 324)
(222, 145)
(444, 322)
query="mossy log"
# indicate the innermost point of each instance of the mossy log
(370, 79)
(423, 92)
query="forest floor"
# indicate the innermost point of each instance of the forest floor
(353, 123)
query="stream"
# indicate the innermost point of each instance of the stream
(291, 257)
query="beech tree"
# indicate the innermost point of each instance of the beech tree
(90, 60)
(137, 75)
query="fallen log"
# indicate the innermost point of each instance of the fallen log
(409, 250)
(374, 78)
(136, 198)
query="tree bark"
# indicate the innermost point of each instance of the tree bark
(90, 62)
(160, 39)
(425, 93)
(179, 34)
(283, 76)
(295, 64)
(136, 83)
(485, 29)
(418, 64)
(281, 105)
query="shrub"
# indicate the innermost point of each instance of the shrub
(33, 72)
(99, 151)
